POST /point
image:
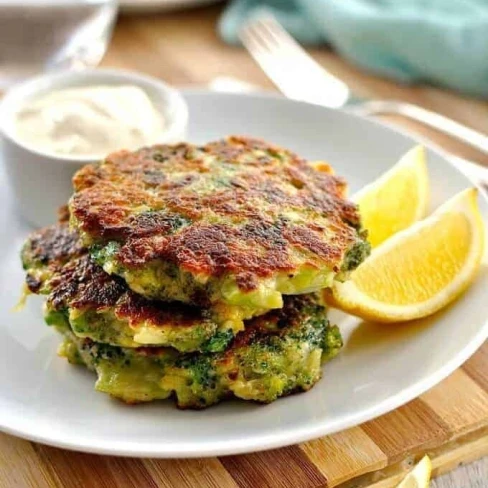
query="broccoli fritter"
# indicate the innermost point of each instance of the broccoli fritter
(101, 307)
(238, 222)
(277, 354)
(46, 251)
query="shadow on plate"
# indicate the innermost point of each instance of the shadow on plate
(368, 334)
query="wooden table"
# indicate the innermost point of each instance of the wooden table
(184, 49)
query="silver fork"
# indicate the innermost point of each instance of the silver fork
(299, 77)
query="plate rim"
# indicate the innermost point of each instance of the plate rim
(286, 437)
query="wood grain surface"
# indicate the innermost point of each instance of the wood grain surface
(450, 422)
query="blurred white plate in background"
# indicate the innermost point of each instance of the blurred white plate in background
(146, 6)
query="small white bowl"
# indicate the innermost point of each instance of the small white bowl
(41, 181)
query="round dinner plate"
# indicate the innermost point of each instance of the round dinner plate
(45, 399)
(150, 6)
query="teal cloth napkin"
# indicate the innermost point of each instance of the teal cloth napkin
(440, 41)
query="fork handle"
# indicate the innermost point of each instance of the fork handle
(432, 119)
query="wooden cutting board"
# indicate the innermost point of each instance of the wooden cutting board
(450, 423)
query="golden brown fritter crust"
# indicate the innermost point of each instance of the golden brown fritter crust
(76, 281)
(81, 284)
(47, 251)
(57, 265)
(238, 207)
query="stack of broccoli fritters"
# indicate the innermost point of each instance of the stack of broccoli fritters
(192, 271)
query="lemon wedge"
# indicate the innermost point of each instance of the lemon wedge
(419, 477)
(420, 269)
(396, 199)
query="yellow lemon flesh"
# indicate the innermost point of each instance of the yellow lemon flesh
(419, 477)
(420, 269)
(397, 199)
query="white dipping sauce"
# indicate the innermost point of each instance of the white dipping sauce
(90, 121)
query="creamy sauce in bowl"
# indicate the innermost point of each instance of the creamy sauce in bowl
(90, 120)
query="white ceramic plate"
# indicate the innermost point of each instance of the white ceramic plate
(149, 6)
(44, 398)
